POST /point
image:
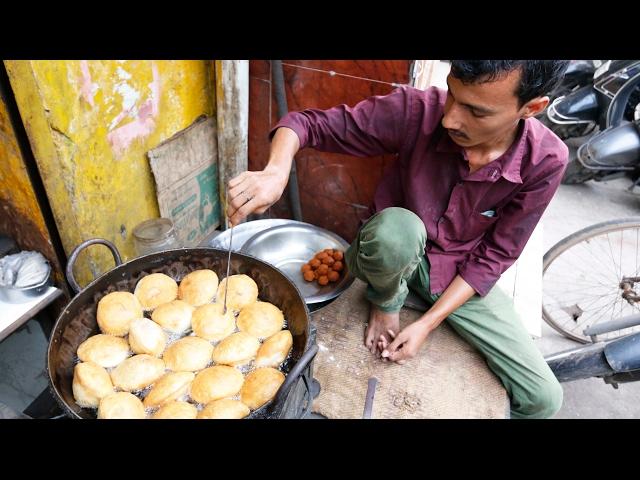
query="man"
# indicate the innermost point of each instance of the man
(475, 171)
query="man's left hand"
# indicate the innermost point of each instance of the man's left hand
(406, 343)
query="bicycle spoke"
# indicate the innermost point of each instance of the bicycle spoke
(582, 265)
(579, 286)
(594, 310)
(562, 280)
(585, 281)
(613, 312)
(621, 237)
(611, 250)
(590, 288)
(607, 266)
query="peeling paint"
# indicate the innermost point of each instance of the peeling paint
(122, 74)
(129, 98)
(144, 121)
(87, 88)
(95, 190)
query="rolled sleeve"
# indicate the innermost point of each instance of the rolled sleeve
(375, 126)
(503, 243)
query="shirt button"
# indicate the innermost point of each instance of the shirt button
(440, 220)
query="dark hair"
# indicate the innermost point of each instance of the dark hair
(539, 77)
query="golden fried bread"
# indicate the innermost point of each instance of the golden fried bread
(156, 289)
(176, 411)
(242, 291)
(198, 287)
(188, 354)
(116, 311)
(260, 386)
(225, 408)
(104, 350)
(274, 349)
(175, 317)
(237, 349)
(91, 382)
(171, 386)
(122, 405)
(137, 372)
(210, 323)
(146, 336)
(213, 383)
(260, 319)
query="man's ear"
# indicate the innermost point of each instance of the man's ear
(534, 106)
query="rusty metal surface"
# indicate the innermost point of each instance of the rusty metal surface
(335, 189)
(29, 236)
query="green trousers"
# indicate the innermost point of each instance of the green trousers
(388, 255)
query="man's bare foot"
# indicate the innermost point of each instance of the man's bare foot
(379, 325)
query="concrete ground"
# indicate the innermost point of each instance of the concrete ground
(573, 208)
(23, 354)
(22, 366)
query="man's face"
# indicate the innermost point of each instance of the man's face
(482, 113)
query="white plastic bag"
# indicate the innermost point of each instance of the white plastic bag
(23, 269)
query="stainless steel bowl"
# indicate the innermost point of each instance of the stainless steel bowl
(25, 294)
(244, 231)
(288, 247)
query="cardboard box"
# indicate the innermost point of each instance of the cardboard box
(185, 168)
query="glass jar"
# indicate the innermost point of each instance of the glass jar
(154, 235)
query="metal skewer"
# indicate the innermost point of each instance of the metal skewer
(226, 287)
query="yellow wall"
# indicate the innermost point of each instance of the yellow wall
(90, 124)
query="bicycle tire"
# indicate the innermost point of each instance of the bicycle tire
(574, 239)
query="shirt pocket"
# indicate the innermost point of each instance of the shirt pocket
(472, 227)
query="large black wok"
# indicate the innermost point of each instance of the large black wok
(77, 322)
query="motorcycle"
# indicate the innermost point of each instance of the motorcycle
(608, 111)
(579, 74)
(615, 150)
(615, 361)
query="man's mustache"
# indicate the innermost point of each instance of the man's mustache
(457, 133)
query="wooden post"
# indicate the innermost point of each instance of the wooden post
(232, 108)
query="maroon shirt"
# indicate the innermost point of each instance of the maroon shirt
(431, 178)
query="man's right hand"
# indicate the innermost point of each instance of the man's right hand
(255, 192)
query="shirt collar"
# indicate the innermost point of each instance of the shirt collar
(506, 165)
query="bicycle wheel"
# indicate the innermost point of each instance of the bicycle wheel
(593, 276)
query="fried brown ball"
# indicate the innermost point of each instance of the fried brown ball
(309, 276)
(323, 279)
(305, 268)
(337, 266)
(315, 263)
(328, 251)
(338, 255)
(328, 260)
(333, 276)
(323, 269)
(321, 256)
